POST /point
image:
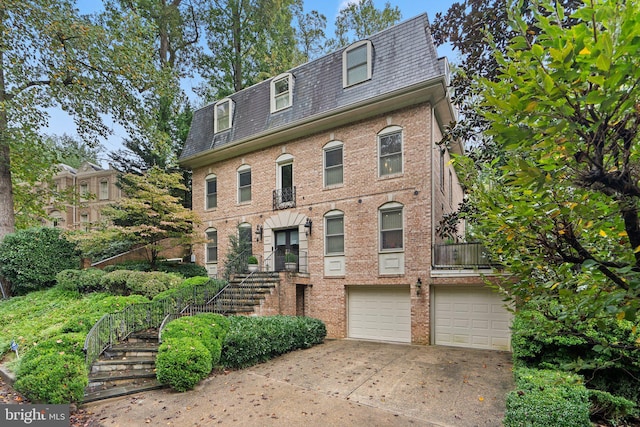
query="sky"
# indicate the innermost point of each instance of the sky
(60, 122)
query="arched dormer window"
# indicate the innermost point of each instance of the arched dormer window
(223, 115)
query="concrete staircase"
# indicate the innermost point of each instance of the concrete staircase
(124, 369)
(245, 292)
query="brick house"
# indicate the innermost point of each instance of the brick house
(95, 188)
(337, 161)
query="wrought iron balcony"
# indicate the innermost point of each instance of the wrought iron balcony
(461, 256)
(284, 198)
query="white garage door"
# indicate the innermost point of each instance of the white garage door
(380, 313)
(471, 317)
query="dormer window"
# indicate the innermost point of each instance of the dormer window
(222, 115)
(281, 92)
(356, 63)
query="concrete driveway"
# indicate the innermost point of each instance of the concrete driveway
(338, 383)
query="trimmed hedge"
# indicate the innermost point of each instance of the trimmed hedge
(148, 284)
(184, 269)
(53, 378)
(182, 363)
(188, 286)
(545, 398)
(82, 281)
(208, 328)
(252, 340)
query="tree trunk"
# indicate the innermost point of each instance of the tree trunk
(7, 216)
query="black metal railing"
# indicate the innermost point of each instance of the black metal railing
(284, 198)
(461, 256)
(116, 327)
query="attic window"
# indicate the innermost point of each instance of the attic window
(222, 115)
(356, 63)
(281, 92)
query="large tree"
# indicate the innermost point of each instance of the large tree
(150, 213)
(562, 213)
(249, 41)
(361, 19)
(50, 56)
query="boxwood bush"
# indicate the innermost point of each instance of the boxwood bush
(208, 328)
(547, 398)
(189, 286)
(252, 340)
(52, 378)
(82, 281)
(148, 284)
(182, 363)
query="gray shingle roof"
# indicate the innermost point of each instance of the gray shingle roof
(403, 56)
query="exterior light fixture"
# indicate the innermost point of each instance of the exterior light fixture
(307, 226)
(258, 233)
(418, 286)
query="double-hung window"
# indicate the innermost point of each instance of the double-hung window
(390, 151)
(211, 192)
(104, 190)
(84, 191)
(212, 245)
(391, 228)
(334, 233)
(281, 92)
(356, 63)
(222, 115)
(244, 184)
(333, 164)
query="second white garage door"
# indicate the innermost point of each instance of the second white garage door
(379, 313)
(471, 317)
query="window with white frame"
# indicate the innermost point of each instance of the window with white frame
(244, 184)
(391, 228)
(212, 245)
(211, 192)
(390, 151)
(281, 92)
(245, 237)
(333, 164)
(356, 63)
(84, 191)
(104, 190)
(222, 115)
(334, 233)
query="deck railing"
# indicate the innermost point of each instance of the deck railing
(461, 256)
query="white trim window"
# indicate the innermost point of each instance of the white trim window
(222, 115)
(104, 190)
(211, 192)
(281, 92)
(244, 184)
(211, 247)
(356, 63)
(333, 158)
(390, 151)
(391, 228)
(84, 191)
(334, 233)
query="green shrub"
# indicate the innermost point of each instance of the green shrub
(611, 409)
(188, 288)
(208, 328)
(182, 363)
(547, 398)
(252, 340)
(148, 284)
(184, 269)
(83, 281)
(129, 265)
(53, 378)
(30, 259)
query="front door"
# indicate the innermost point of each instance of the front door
(286, 242)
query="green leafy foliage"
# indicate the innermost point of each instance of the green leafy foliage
(252, 340)
(183, 269)
(148, 284)
(53, 378)
(30, 259)
(546, 398)
(189, 287)
(82, 281)
(611, 409)
(210, 329)
(182, 363)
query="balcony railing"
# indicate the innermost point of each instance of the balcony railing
(461, 256)
(284, 198)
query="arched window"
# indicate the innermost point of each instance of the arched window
(211, 248)
(244, 184)
(333, 163)
(391, 227)
(334, 233)
(211, 192)
(390, 151)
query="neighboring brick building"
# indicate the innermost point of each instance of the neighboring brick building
(94, 188)
(338, 162)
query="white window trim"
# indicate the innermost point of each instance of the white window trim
(206, 195)
(328, 147)
(103, 182)
(215, 115)
(206, 246)
(327, 216)
(345, 53)
(381, 210)
(276, 79)
(386, 131)
(241, 169)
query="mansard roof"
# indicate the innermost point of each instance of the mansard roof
(404, 60)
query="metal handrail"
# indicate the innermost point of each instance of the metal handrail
(116, 327)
